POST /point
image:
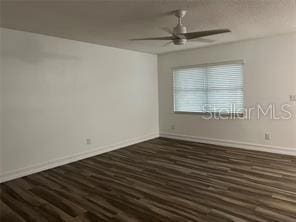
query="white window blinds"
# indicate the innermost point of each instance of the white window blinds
(214, 88)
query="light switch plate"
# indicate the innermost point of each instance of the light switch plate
(267, 136)
(88, 141)
(293, 98)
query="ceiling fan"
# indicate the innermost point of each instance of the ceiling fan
(179, 35)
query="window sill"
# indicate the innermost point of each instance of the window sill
(211, 114)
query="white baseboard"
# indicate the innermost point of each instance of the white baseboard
(68, 159)
(232, 143)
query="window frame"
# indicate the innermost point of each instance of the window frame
(238, 61)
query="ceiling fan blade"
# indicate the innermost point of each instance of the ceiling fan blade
(193, 35)
(168, 30)
(168, 43)
(203, 40)
(155, 38)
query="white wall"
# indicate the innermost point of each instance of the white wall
(58, 92)
(55, 93)
(270, 77)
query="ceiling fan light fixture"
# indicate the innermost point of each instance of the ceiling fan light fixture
(179, 41)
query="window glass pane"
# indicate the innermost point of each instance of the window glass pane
(188, 79)
(190, 101)
(225, 76)
(225, 101)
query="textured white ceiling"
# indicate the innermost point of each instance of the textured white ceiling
(113, 23)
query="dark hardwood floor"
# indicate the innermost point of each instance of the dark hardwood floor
(159, 180)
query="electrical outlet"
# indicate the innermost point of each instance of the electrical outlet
(172, 127)
(88, 141)
(293, 98)
(267, 136)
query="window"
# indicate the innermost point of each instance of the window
(216, 88)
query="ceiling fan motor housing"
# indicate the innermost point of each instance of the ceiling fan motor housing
(180, 29)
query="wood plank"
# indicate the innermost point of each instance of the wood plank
(159, 180)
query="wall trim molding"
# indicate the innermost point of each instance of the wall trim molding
(72, 158)
(232, 143)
